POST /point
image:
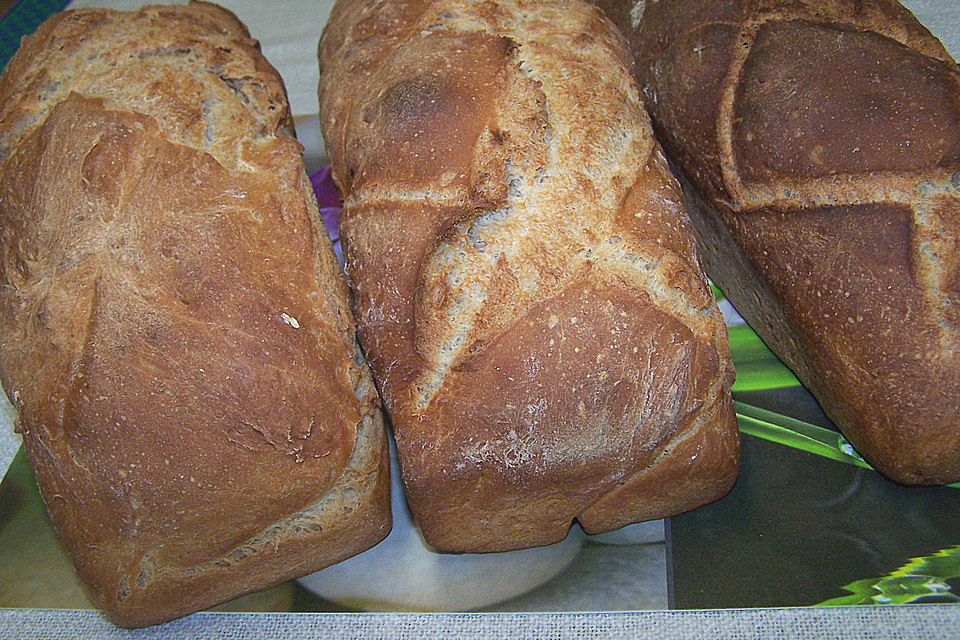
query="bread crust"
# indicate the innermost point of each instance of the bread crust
(524, 276)
(819, 144)
(175, 332)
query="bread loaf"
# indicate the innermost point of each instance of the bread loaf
(820, 144)
(525, 279)
(175, 331)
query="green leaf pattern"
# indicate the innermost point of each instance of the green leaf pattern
(759, 369)
(921, 578)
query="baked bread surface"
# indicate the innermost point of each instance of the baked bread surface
(175, 330)
(524, 276)
(820, 144)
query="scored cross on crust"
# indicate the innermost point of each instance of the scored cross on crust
(820, 146)
(526, 283)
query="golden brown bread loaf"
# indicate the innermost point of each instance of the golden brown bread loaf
(525, 279)
(174, 329)
(820, 146)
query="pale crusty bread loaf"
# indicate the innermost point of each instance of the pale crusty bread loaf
(525, 279)
(820, 142)
(175, 330)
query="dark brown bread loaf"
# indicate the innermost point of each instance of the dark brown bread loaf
(174, 329)
(525, 278)
(820, 144)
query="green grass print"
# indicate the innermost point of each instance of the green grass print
(756, 366)
(924, 578)
(920, 578)
(757, 370)
(795, 433)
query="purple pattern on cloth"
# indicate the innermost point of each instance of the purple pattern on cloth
(328, 200)
(324, 187)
